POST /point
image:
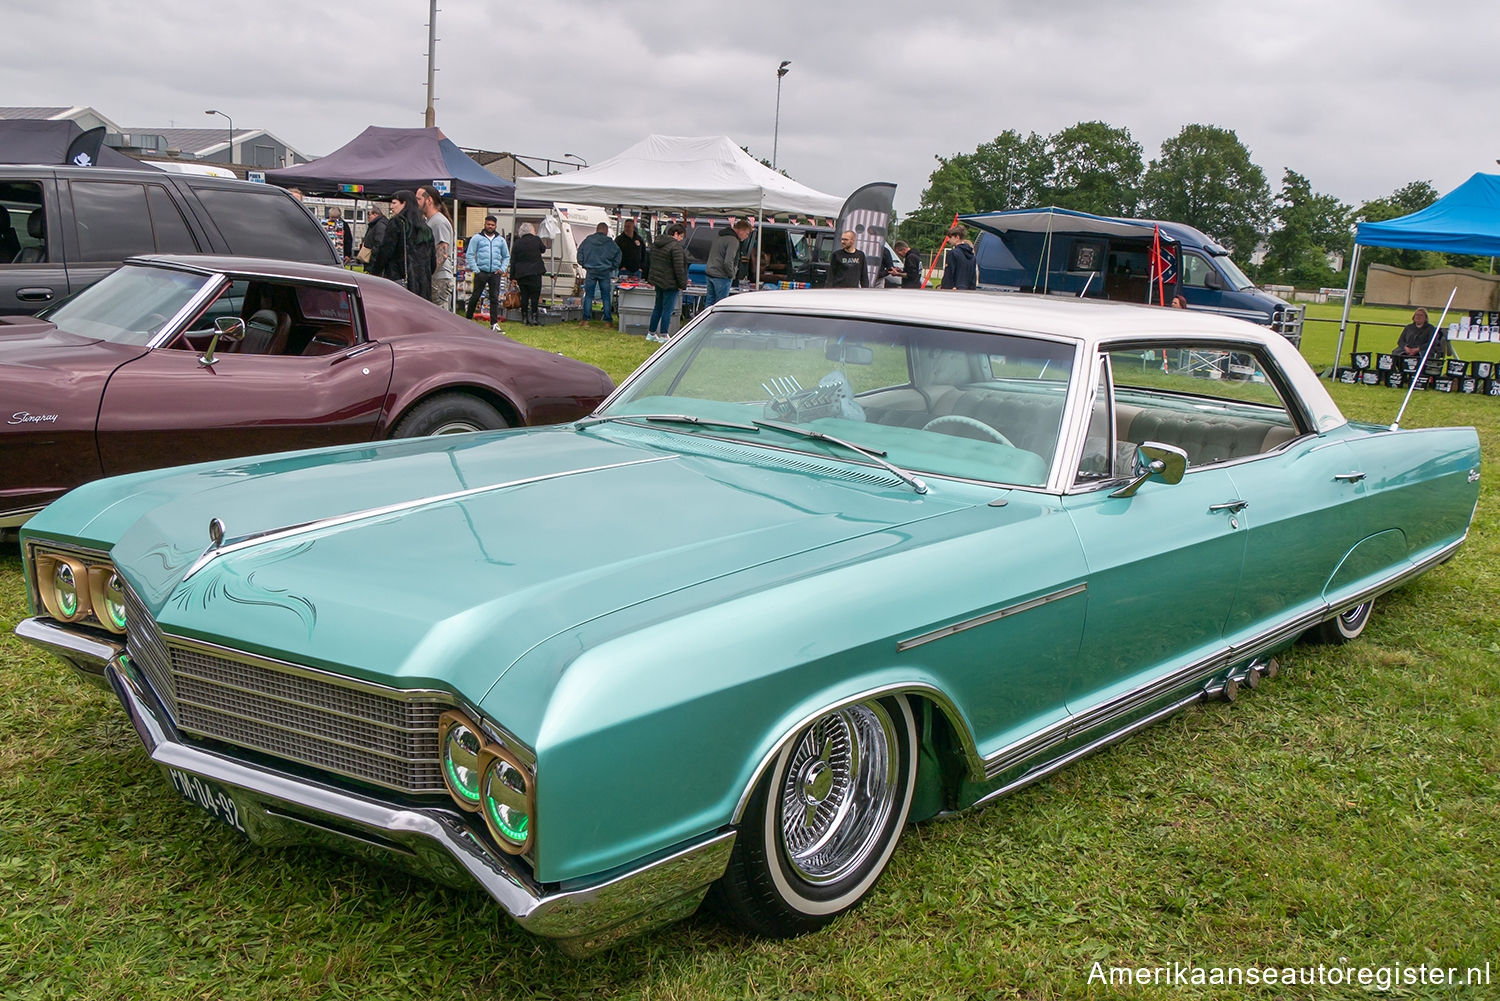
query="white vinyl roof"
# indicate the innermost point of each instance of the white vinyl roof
(683, 172)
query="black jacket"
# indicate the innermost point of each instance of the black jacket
(632, 251)
(375, 233)
(526, 256)
(911, 270)
(668, 263)
(407, 253)
(959, 271)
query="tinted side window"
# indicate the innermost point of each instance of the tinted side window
(269, 224)
(172, 234)
(112, 220)
(699, 239)
(23, 223)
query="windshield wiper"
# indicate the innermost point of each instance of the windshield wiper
(587, 422)
(879, 456)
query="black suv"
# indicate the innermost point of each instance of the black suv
(64, 228)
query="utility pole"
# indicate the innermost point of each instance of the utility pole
(781, 71)
(431, 62)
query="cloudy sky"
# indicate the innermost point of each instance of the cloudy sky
(1361, 97)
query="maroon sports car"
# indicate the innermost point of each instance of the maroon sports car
(173, 360)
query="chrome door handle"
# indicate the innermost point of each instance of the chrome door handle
(34, 294)
(1230, 506)
(1348, 477)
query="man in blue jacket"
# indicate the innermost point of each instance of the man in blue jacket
(599, 256)
(488, 257)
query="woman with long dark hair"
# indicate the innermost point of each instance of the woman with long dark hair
(527, 268)
(407, 254)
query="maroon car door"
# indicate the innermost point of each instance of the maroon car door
(167, 408)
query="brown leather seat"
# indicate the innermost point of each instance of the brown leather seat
(266, 333)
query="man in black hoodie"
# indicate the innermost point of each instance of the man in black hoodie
(959, 270)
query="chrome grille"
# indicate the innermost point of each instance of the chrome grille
(300, 715)
(144, 644)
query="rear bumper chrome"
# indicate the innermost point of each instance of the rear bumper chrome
(279, 808)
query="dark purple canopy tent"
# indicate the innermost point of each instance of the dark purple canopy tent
(383, 161)
(43, 141)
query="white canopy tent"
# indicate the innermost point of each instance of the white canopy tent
(683, 172)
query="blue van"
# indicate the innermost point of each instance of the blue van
(1062, 252)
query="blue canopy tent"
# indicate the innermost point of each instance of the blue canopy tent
(383, 161)
(1464, 221)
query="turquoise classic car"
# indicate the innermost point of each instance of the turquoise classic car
(829, 564)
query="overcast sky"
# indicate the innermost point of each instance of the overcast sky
(1361, 97)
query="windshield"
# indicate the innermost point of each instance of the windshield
(1237, 279)
(129, 306)
(972, 405)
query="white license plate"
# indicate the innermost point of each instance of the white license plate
(209, 796)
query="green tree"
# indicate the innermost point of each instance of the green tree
(949, 191)
(1309, 227)
(1095, 168)
(1410, 197)
(1011, 171)
(1205, 178)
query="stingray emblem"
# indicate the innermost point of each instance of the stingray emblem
(1473, 475)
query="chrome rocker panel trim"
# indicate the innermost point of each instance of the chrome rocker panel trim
(280, 809)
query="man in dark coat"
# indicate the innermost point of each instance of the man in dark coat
(959, 270)
(847, 267)
(911, 265)
(669, 275)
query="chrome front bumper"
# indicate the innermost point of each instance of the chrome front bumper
(279, 808)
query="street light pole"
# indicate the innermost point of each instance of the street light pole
(211, 111)
(576, 157)
(781, 71)
(431, 116)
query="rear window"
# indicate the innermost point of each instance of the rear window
(266, 224)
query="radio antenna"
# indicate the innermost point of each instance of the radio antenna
(1396, 425)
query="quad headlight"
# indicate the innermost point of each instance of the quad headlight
(77, 588)
(485, 778)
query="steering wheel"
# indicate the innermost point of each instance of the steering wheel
(970, 422)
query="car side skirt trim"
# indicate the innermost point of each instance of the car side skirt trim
(982, 620)
(1073, 726)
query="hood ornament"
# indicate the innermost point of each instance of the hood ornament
(215, 533)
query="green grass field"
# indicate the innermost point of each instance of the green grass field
(1346, 814)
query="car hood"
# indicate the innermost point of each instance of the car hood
(441, 562)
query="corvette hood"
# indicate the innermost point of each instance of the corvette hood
(440, 562)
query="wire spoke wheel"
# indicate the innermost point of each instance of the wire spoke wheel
(838, 792)
(823, 819)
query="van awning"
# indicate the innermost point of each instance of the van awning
(1055, 220)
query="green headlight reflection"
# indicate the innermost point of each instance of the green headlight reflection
(461, 761)
(505, 802)
(114, 601)
(66, 589)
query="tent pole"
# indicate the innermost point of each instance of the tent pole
(760, 218)
(1338, 352)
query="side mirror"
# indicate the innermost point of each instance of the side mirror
(1153, 459)
(229, 328)
(1211, 280)
(851, 354)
